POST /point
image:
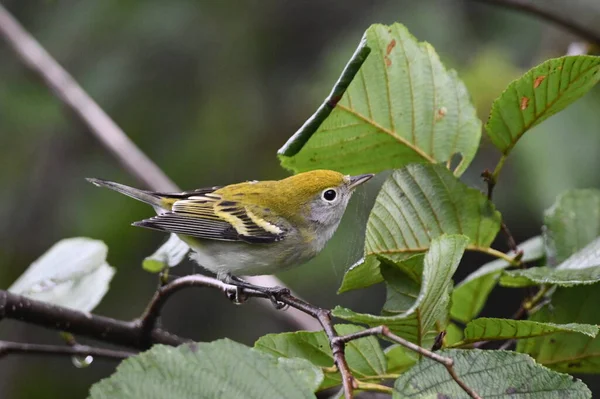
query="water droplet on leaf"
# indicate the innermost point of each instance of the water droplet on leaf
(82, 362)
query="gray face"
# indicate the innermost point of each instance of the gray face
(326, 211)
(327, 208)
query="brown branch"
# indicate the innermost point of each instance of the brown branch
(112, 137)
(534, 8)
(8, 347)
(106, 329)
(445, 361)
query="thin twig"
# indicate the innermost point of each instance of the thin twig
(337, 348)
(510, 240)
(559, 18)
(385, 331)
(8, 347)
(106, 130)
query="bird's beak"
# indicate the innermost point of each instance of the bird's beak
(356, 181)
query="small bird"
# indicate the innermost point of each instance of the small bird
(255, 227)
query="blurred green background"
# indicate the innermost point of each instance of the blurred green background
(210, 90)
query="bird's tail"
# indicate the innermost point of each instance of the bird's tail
(141, 195)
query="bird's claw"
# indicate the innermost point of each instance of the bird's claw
(275, 294)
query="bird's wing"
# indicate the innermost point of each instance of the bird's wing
(208, 216)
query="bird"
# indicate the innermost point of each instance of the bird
(254, 227)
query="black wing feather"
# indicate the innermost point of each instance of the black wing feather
(209, 229)
(191, 226)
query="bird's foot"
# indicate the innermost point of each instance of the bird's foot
(275, 294)
(239, 296)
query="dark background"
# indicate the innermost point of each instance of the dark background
(210, 90)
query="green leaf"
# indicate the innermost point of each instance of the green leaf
(402, 107)
(219, 369)
(582, 267)
(487, 329)
(469, 297)
(363, 273)
(454, 334)
(572, 353)
(492, 374)
(572, 222)
(399, 359)
(540, 93)
(73, 273)
(403, 283)
(419, 324)
(364, 356)
(415, 205)
(549, 275)
(170, 254)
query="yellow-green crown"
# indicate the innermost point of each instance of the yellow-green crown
(286, 197)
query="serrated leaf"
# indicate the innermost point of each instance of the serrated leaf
(364, 356)
(403, 283)
(419, 323)
(402, 107)
(550, 275)
(492, 374)
(572, 222)
(540, 93)
(363, 273)
(469, 297)
(489, 329)
(72, 273)
(415, 205)
(582, 267)
(454, 334)
(170, 254)
(399, 359)
(219, 369)
(572, 353)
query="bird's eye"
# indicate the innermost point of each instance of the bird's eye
(329, 195)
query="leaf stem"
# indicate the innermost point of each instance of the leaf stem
(367, 386)
(330, 369)
(498, 168)
(514, 261)
(381, 377)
